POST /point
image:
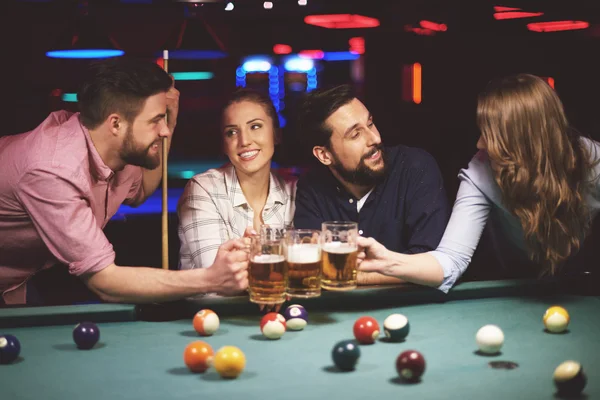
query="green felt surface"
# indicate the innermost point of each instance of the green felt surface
(144, 360)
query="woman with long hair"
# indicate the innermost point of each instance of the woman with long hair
(534, 180)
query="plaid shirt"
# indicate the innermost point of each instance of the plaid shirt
(213, 209)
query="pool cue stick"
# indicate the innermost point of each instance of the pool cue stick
(165, 205)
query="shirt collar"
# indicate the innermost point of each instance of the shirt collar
(100, 171)
(277, 193)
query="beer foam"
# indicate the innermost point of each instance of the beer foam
(267, 258)
(339, 248)
(303, 254)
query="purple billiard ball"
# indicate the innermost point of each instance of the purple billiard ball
(410, 365)
(296, 317)
(86, 335)
(9, 349)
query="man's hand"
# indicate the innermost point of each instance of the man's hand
(172, 107)
(229, 272)
(372, 256)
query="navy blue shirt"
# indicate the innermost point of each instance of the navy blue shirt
(407, 212)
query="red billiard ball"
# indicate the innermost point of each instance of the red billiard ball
(273, 325)
(366, 330)
(410, 365)
(206, 322)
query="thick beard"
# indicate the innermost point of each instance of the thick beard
(362, 175)
(133, 155)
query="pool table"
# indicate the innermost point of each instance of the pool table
(140, 352)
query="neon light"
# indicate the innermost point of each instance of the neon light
(339, 56)
(256, 65)
(419, 31)
(69, 97)
(357, 45)
(312, 54)
(85, 53)
(550, 81)
(268, 5)
(503, 9)
(555, 26)
(516, 14)
(187, 174)
(192, 76)
(240, 77)
(196, 54)
(282, 49)
(311, 80)
(416, 83)
(296, 64)
(433, 26)
(229, 6)
(302, 2)
(341, 21)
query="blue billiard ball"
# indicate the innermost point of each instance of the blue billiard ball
(10, 348)
(345, 354)
(86, 335)
(396, 327)
(296, 317)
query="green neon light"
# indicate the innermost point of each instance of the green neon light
(69, 97)
(192, 76)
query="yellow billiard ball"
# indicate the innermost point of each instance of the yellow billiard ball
(556, 319)
(229, 361)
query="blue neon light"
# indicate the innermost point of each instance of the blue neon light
(192, 76)
(69, 97)
(85, 53)
(256, 65)
(297, 64)
(195, 54)
(340, 56)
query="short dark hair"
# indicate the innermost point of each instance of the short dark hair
(121, 85)
(315, 108)
(253, 96)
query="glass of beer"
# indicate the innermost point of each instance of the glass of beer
(302, 253)
(339, 251)
(267, 272)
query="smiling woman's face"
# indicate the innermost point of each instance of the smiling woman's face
(248, 137)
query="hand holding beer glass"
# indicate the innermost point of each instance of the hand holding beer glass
(339, 251)
(267, 272)
(302, 253)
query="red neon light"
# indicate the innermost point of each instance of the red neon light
(416, 81)
(550, 81)
(504, 9)
(160, 62)
(419, 31)
(341, 21)
(554, 26)
(433, 26)
(312, 54)
(282, 49)
(516, 14)
(357, 45)
(412, 83)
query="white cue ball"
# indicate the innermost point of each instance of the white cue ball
(490, 339)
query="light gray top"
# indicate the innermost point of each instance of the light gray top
(479, 199)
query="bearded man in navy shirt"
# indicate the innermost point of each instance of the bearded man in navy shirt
(396, 194)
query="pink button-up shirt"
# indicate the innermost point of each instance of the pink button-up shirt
(56, 196)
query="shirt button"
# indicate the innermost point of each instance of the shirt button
(351, 201)
(360, 232)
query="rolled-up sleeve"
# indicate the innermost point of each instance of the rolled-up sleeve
(56, 202)
(461, 237)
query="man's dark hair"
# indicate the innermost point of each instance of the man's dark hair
(315, 108)
(119, 85)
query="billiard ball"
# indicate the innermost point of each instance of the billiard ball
(556, 319)
(229, 362)
(345, 354)
(10, 348)
(366, 330)
(396, 327)
(198, 356)
(272, 325)
(206, 322)
(86, 335)
(569, 378)
(296, 317)
(410, 365)
(490, 339)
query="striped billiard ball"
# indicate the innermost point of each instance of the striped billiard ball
(296, 317)
(396, 327)
(10, 347)
(569, 378)
(556, 319)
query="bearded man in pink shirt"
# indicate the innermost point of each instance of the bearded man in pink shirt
(62, 182)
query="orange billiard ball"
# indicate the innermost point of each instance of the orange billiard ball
(198, 356)
(556, 319)
(206, 322)
(229, 362)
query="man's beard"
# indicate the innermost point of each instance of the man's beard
(362, 175)
(132, 154)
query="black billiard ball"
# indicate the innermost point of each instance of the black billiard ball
(569, 378)
(410, 365)
(86, 335)
(345, 354)
(9, 349)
